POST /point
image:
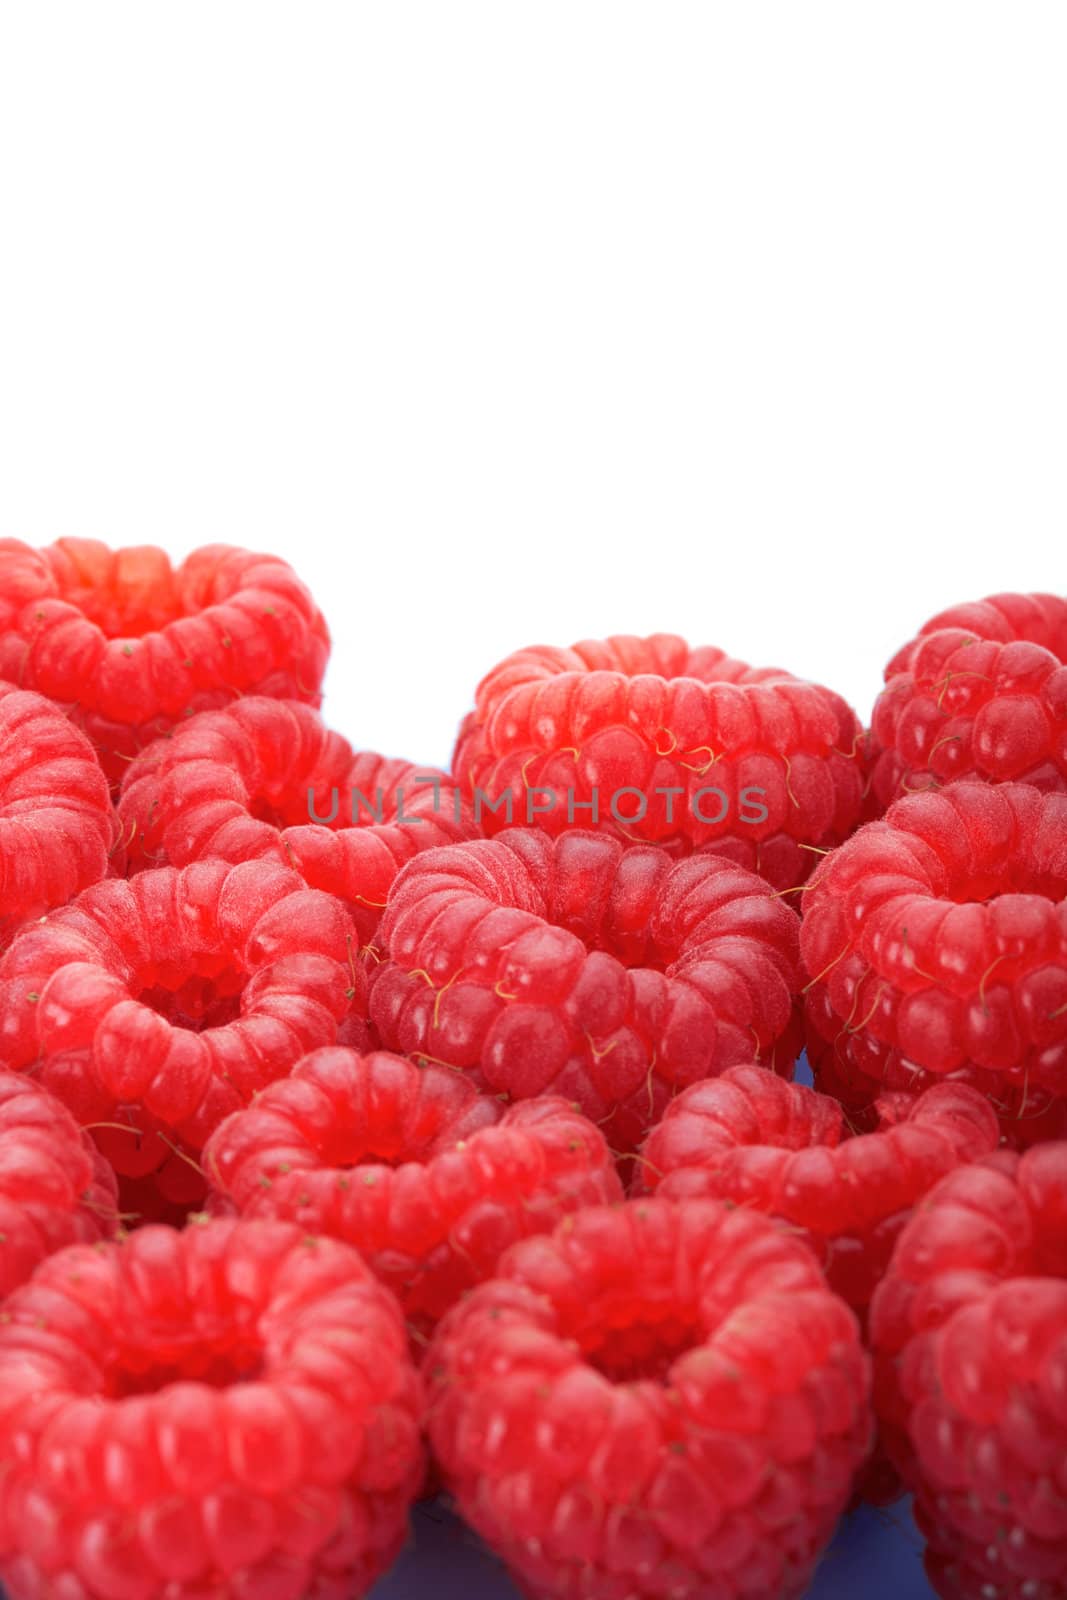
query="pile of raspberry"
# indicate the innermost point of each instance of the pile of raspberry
(370, 1130)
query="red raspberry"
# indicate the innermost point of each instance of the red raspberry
(243, 783)
(982, 692)
(447, 1178)
(129, 645)
(56, 822)
(575, 966)
(970, 1335)
(55, 1186)
(226, 1412)
(701, 751)
(165, 1002)
(936, 943)
(654, 1400)
(784, 1150)
(760, 765)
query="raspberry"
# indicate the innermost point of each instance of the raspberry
(751, 761)
(446, 1179)
(55, 1186)
(129, 645)
(56, 822)
(981, 692)
(970, 1336)
(783, 1149)
(575, 966)
(226, 1411)
(654, 1400)
(243, 783)
(936, 942)
(163, 1003)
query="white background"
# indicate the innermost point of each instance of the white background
(532, 322)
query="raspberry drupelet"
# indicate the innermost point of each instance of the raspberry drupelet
(702, 750)
(57, 827)
(656, 1399)
(55, 1186)
(129, 645)
(153, 1008)
(266, 779)
(428, 1179)
(969, 1332)
(576, 966)
(935, 941)
(229, 1411)
(981, 692)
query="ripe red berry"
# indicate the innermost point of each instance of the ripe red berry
(575, 966)
(785, 1150)
(56, 822)
(227, 1411)
(428, 1179)
(247, 783)
(656, 1399)
(55, 1186)
(129, 645)
(163, 1003)
(970, 1337)
(981, 692)
(936, 945)
(701, 750)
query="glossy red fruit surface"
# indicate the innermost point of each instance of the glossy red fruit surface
(57, 827)
(786, 1151)
(129, 644)
(657, 1399)
(155, 1007)
(430, 1180)
(230, 1411)
(701, 751)
(970, 1338)
(935, 943)
(981, 692)
(55, 1186)
(267, 780)
(576, 966)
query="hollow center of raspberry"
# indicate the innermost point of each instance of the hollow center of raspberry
(1017, 880)
(273, 812)
(291, 808)
(218, 1364)
(631, 946)
(344, 1148)
(644, 1348)
(324, 801)
(196, 1001)
(129, 610)
(347, 1149)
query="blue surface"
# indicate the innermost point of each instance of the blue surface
(877, 1555)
